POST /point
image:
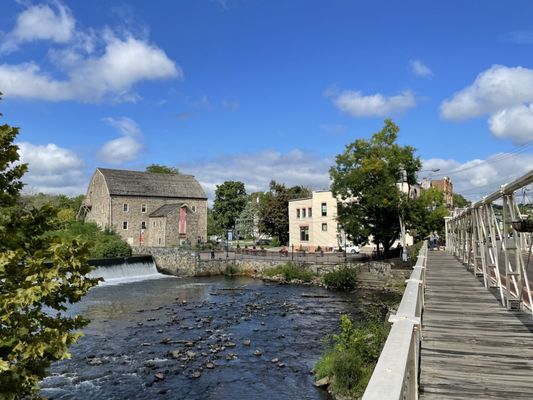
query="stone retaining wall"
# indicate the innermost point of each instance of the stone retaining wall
(179, 262)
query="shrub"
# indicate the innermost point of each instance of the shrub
(291, 271)
(344, 278)
(351, 357)
(231, 269)
(275, 242)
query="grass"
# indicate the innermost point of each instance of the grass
(351, 356)
(290, 272)
(344, 278)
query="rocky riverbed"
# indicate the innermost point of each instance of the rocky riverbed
(208, 338)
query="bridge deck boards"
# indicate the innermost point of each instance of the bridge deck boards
(472, 347)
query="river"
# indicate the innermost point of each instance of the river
(199, 338)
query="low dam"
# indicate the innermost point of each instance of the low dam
(123, 270)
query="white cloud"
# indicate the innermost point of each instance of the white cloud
(92, 66)
(123, 63)
(40, 22)
(52, 169)
(420, 69)
(477, 178)
(497, 88)
(125, 148)
(515, 123)
(256, 170)
(375, 105)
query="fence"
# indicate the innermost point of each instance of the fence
(396, 374)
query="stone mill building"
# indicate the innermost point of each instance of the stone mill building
(147, 209)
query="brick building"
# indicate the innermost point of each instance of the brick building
(146, 208)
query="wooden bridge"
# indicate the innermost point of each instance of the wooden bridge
(464, 327)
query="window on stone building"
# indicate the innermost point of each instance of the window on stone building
(324, 227)
(125, 225)
(143, 225)
(297, 213)
(193, 208)
(159, 240)
(309, 212)
(153, 224)
(304, 233)
(324, 208)
(125, 207)
(143, 208)
(303, 212)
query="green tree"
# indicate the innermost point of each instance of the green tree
(213, 228)
(427, 213)
(34, 331)
(274, 209)
(249, 217)
(366, 178)
(459, 201)
(230, 200)
(161, 169)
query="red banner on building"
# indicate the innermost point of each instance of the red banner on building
(183, 220)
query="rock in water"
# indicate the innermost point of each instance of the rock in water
(196, 374)
(159, 376)
(323, 382)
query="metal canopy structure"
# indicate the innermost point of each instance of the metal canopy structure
(496, 249)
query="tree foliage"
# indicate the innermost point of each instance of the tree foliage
(366, 178)
(427, 213)
(230, 200)
(249, 217)
(459, 201)
(34, 331)
(161, 169)
(274, 209)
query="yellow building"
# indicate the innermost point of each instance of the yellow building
(313, 222)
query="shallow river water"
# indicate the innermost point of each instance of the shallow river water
(207, 338)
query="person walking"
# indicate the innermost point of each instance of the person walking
(437, 240)
(431, 241)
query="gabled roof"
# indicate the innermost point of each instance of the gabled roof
(135, 183)
(163, 211)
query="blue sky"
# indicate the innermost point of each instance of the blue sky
(259, 90)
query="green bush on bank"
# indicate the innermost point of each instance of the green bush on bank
(102, 244)
(352, 356)
(344, 278)
(291, 271)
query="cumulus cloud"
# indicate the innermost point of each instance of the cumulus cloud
(497, 88)
(515, 123)
(52, 169)
(420, 69)
(256, 170)
(375, 105)
(477, 178)
(40, 22)
(94, 65)
(125, 148)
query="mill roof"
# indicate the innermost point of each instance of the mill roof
(164, 210)
(146, 184)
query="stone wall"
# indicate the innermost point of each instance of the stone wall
(180, 262)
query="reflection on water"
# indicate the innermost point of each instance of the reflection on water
(209, 338)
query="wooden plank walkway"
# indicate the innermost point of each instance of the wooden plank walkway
(472, 347)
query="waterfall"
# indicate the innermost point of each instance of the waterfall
(124, 270)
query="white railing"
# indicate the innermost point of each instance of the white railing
(396, 374)
(491, 245)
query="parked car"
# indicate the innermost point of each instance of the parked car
(263, 242)
(352, 249)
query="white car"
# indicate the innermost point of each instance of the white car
(350, 249)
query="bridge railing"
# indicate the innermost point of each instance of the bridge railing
(396, 374)
(494, 241)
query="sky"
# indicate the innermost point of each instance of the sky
(255, 90)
